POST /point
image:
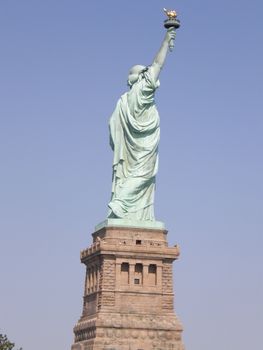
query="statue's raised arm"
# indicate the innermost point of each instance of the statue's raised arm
(160, 57)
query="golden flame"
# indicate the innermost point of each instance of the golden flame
(171, 14)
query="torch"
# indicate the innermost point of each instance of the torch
(171, 22)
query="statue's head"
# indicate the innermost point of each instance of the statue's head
(134, 74)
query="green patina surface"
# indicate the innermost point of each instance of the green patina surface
(134, 139)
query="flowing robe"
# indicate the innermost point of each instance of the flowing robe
(134, 138)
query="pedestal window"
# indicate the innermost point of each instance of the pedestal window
(138, 276)
(152, 275)
(125, 273)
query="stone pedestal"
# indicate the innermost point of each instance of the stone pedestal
(128, 297)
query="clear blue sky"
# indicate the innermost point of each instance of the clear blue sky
(63, 65)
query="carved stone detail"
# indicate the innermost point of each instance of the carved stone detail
(128, 294)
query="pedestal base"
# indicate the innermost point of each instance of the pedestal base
(128, 298)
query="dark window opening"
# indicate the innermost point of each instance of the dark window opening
(124, 267)
(138, 241)
(152, 269)
(136, 281)
(138, 268)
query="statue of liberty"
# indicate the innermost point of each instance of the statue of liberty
(134, 138)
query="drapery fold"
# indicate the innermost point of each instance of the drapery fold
(134, 138)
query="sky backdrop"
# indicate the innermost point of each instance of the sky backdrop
(63, 66)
